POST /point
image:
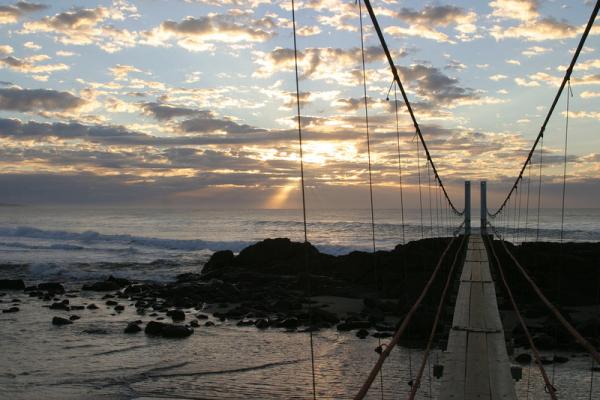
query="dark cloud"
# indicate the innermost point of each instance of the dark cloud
(38, 100)
(75, 19)
(119, 135)
(433, 15)
(434, 85)
(205, 122)
(163, 112)
(11, 13)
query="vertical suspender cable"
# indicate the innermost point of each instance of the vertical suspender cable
(527, 202)
(539, 199)
(307, 270)
(430, 203)
(364, 73)
(420, 192)
(399, 164)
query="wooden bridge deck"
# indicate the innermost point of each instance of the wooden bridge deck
(476, 363)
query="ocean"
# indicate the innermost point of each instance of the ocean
(157, 244)
(93, 359)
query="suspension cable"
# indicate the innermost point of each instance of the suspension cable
(420, 191)
(539, 198)
(536, 354)
(568, 327)
(406, 101)
(398, 334)
(306, 263)
(364, 76)
(399, 164)
(566, 78)
(417, 382)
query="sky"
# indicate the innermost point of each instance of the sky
(192, 102)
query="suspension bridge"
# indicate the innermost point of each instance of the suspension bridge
(475, 362)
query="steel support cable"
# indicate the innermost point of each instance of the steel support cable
(566, 78)
(536, 354)
(406, 101)
(519, 215)
(364, 73)
(568, 327)
(306, 264)
(417, 382)
(527, 202)
(420, 191)
(399, 164)
(539, 198)
(402, 211)
(430, 202)
(403, 325)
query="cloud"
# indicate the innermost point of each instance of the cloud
(326, 63)
(84, 26)
(434, 85)
(535, 51)
(5, 50)
(498, 77)
(201, 34)
(165, 112)
(120, 72)
(540, 30)
(11, 13)
(422, 23)
(38, 100)
(30, 65)
(524, 10)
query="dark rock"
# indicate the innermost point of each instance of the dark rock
(96, 331)
(11, 310)
(59, 306)
(362, 333)
(289, 323)
(188, 277)
(523, 358)
(176, 315)
(61, 321)
(194, 323)
(176, 331)
(560, 359)
(320, 315)
(92, 307)
(77, 307)
(209, 323)
(382, 335)
(74, 317)
(108, 285)
(154, 328)
(132, 327)
(350, 325)
(262, 323)
(119, 308)
(201, 316)
(218, 260)
(111, 303)
(51, 287)
(12, 284)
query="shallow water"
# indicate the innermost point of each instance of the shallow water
(41, 361)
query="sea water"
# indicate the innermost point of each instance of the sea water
(93, 359)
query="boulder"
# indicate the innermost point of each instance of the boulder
(218, 260)
(132, 327)
(362, 333)
(61, 321)
(60, 306)
(176, 331)
(119, 308)
(154, 328)
(188, 277)
(92, 307)
(51, 287)
(523, 358)
(12, 284)
(108, 285)
(176, 315)
(10, 310)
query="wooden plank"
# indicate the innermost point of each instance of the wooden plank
(477, 307)
(477, 384)
(476, 365)
(501, 382)
(453, 380)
